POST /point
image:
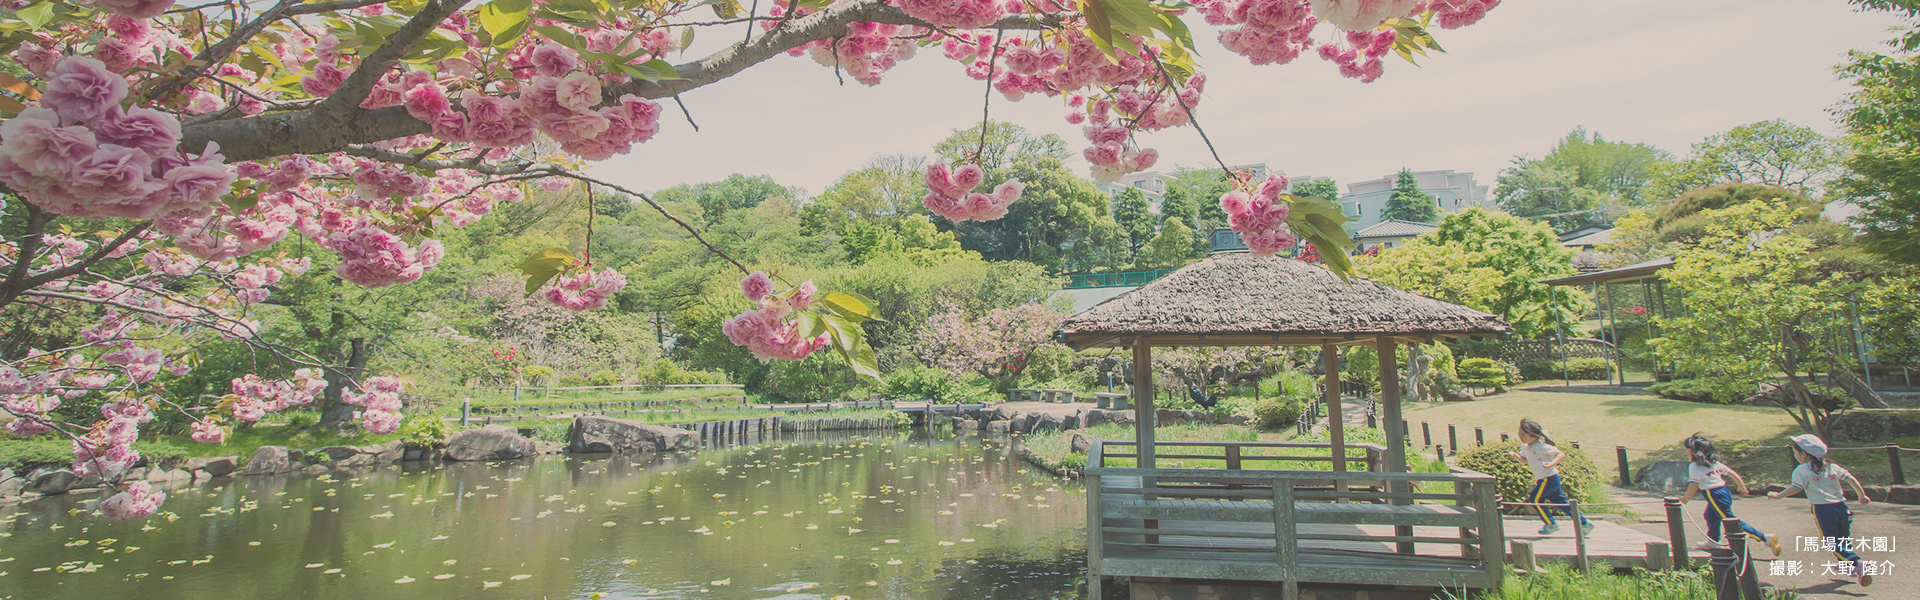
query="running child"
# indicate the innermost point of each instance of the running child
(1706, 473)
(1541, 455)
(1820, 481)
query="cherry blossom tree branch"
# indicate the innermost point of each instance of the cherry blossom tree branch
(213, 55)
(347, 99)
(663, 211)
(1167, 80)
(336, 125)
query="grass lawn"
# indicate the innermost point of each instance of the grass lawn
(1649, 426)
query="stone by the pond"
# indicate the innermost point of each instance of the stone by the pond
(269, 460)
(1005, 413)
(494, 442)
(1097, 417)
(390, 452)
(337, 453)
(10, 485)
(220, 466)
(1050, 422)
(1081, 443)
(1665, 476)
(50, 481)
(999, 427)
(602, 434)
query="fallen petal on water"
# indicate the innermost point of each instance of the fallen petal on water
(519, 577)
(404, 580)
(444, 576)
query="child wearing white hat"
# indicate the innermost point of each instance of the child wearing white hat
(1820, 480)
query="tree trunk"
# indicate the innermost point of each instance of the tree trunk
(334, 411)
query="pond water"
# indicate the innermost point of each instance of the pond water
(892, 516)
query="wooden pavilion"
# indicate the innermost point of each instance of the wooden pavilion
(1375, 524)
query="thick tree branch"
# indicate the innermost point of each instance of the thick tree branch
(347, 99)
(333, 126)
(212, 56)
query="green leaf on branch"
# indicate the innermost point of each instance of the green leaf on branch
(850, 342)
(653, 70)
(505, 20)
(561, 36)
(544, 265)
(851, 306)
(726, 9)
(1320, 222)
(37, 15)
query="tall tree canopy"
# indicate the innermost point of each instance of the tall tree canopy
(1489, 261)
(1585, 179)
(1775, 152)
(1883, 117)
(1135, 217)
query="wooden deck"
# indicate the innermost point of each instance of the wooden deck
(1324, 527)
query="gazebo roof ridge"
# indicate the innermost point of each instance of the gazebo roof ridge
(1248, 297)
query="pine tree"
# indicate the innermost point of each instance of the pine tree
(1408, 203)
(1135, 216)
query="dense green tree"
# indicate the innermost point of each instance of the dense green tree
(1201, 189)
(1774, 153)
(864, 241)
(1318, 188)
(1006, 144)
(1585, 179)
(1409, 203)
(1489, 261)
(736, 192)
(1758, 305)
(1171, 248)
(887, 189)
(1883, 116)
(1135, 217)
(1060, 222)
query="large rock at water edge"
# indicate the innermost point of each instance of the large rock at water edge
(494, 442)
(1049, 421)
(1871, 427)
(218, 466)
(602, 434)
(50, 481)
(1663, 477)
(269, 460)
(10, 485)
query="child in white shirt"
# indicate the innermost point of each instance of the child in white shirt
(1540, 454)
(1707, 474)
(1820, 481)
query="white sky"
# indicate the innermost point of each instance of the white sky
(1664, 72)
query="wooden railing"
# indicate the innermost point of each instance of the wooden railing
(1233, 522)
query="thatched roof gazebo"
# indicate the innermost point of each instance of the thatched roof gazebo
(1239, 299)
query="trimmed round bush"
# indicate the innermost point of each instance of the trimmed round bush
(1577, 471)
(1277, 413)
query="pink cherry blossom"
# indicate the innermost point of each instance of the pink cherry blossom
(208, 432)
(586, 290)
(756, 286)
(1260, 218)
(324, 80)
(81, 89)
(553, 60)
(138, 500)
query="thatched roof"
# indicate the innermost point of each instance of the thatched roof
(1241, 299)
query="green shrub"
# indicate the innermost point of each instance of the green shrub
(1486, 373)
(1576, 368)
(552, 430)
(1691, 390)
(603, 377)
(1577, 471)
(43, 450)
(1277, 413)
(572, 381)
(425, 431)
(667, 372)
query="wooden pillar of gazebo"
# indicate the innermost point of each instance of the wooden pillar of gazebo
(1336, 419)
(1143, 402)
(1396, 437)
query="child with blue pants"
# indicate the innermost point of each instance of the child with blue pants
(1542, 456)
(1820, 481)
(1707, 473)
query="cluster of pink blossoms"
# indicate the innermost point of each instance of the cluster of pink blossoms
(258, 396)
(138, 500)
(559, 101)
(1268, 32)
(1261, 217)
(106, 451)
(79, 153)
(766, 330)
(865, 51)
(1454, 14)
(379, 397)
(950, 194)
(374, 257)
(955, 14)
(587, 289)
(1361, 59)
